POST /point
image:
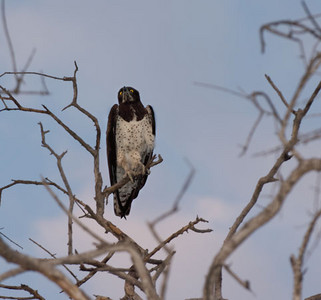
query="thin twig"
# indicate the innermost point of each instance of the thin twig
(243, 283)
(85, 228)
(66, 183)
(29, 263)
(178, 197)
(35, 73)
(22, 287)
(253, 98)
(53, 256)
(93, 272)
(13, 242)
(7, 35)
(310, 16)
(268, 78)
(189, 226)
(161, 267)
(31, 182)
(251, 133)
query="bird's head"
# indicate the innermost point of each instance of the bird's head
(128, 94)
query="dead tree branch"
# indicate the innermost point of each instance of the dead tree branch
(23, 287)
(314, 297)
(13, 242)
(240, 231)
(297, 262)
(137, 275)
(53, 274)
(178, 198)
(254, 99)
(233, 238)
(66, 183)
(244, 283)
(165, 265)
(54, 256)
(189, 226)
(255, 223)
(7, 35)
(19, 77)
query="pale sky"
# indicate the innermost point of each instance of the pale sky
(161, 48)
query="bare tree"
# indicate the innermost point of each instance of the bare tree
(144, 271)
(288, 120)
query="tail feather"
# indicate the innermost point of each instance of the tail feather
(125, 195)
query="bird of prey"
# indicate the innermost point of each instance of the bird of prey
(130, 145)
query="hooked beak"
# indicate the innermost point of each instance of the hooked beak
(126, 96)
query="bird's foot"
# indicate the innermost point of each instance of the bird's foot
(143, 169)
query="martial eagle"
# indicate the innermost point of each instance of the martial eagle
(130, 145)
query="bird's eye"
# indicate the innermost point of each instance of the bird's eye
(120, 93)
(132, 91)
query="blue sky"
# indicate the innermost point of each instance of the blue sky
(161, 48)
